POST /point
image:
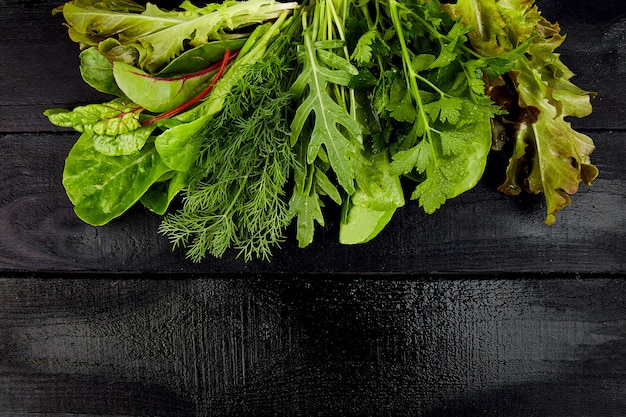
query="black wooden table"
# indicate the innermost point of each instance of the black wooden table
(477, 310)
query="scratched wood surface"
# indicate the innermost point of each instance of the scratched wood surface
(477, 310)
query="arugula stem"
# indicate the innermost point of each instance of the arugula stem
(222, 66)
(410, 73)
(339, 24)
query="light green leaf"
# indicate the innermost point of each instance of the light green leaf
(97, 71)
(158, 94)
(200, 57)
(307, 209)
(159, 196)
(407, 160)
(179, 146)
(371, 207)
(112, 118)
(124, 143)
(362, 53)
(162, 35)
(334, 128)
(104, 187)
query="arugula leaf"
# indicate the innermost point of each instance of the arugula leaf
(333, 128)
(306, 206)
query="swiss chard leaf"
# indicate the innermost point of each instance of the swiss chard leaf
(157, 94)
(113, 118)
(124, 143)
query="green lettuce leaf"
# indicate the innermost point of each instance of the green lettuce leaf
(548, 155)
(160, 35)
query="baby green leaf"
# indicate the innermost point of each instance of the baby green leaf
(103, 187)
(372, 207)
(159, 196)
(124, 143)
(157, 94)
(407, 160)
(400, 105)
(97, 71)
(447, 109)
(179, 145)
(200, 57)
(112, 118)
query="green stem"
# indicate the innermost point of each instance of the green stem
(410, 74)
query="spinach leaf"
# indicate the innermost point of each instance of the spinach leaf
(104, 187)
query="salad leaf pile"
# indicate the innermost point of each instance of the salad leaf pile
(235, 120)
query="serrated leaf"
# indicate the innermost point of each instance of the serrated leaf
(307, 209)
(400, 105)
(362, 53)
(446, 109)
(333, 127)
(407, 160)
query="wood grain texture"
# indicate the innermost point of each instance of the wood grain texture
(478, 310)
(302, 346)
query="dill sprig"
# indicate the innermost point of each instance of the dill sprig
(237, 197)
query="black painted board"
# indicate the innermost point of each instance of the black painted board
(479, 231)
(258, 346)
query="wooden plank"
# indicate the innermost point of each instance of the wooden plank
(481, 231)
(39, 66)
(292, 346)
(40, 63)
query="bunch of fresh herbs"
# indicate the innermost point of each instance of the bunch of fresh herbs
(235, 119)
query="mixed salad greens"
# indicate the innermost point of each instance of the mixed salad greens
(233, 120)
